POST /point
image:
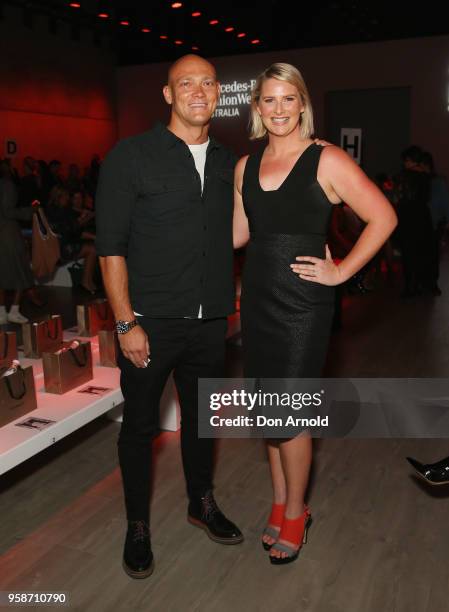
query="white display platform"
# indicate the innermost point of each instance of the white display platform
(74, 409)
(69, 411)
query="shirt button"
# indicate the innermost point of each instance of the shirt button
(204, 253)
(204, 227)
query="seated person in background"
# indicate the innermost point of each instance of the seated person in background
(86, 216)
(76, 242)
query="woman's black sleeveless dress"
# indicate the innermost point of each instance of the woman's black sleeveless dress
(286, 320)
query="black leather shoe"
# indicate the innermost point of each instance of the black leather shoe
(205, 514)
(433, 473)
(137, 556)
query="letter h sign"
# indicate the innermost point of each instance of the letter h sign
(351, 142)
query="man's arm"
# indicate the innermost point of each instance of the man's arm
(134, 344)
(114, 201)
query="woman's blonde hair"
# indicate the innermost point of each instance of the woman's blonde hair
(290, 74)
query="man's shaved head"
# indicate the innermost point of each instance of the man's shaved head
(189, 62)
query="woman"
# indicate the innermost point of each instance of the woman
(15, 266)
(76, 242)
(283, 200)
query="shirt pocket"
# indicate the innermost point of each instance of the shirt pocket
(166, 198)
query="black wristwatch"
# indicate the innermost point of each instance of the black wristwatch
(123, 327)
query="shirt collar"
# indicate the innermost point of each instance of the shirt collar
(170, 140)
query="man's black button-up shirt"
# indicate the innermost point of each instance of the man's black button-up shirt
(177, 241)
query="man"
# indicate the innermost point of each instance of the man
(164, 219)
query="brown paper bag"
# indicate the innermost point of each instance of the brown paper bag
(45, 251)
(8, 348)
(93, 317)
(108, 344)
(17, 395)
(40, 336)
(65, 370)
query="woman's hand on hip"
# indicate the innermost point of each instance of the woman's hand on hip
(317, 270)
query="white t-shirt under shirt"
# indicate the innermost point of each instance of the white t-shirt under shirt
(199, 156)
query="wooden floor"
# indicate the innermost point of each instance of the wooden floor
(379, 541)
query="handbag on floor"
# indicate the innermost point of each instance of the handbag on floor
(93, 317)
(8, 348)
(17, 394)
(40, 336)
(68, 367)
(76, 273)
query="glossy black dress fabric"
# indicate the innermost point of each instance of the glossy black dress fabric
(286, 321)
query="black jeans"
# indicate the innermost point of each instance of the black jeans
(192, 349)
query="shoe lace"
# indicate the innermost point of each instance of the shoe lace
(209, 505)
(140, 531)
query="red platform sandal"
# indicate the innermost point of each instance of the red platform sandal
(274, 524)
(294, 531)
